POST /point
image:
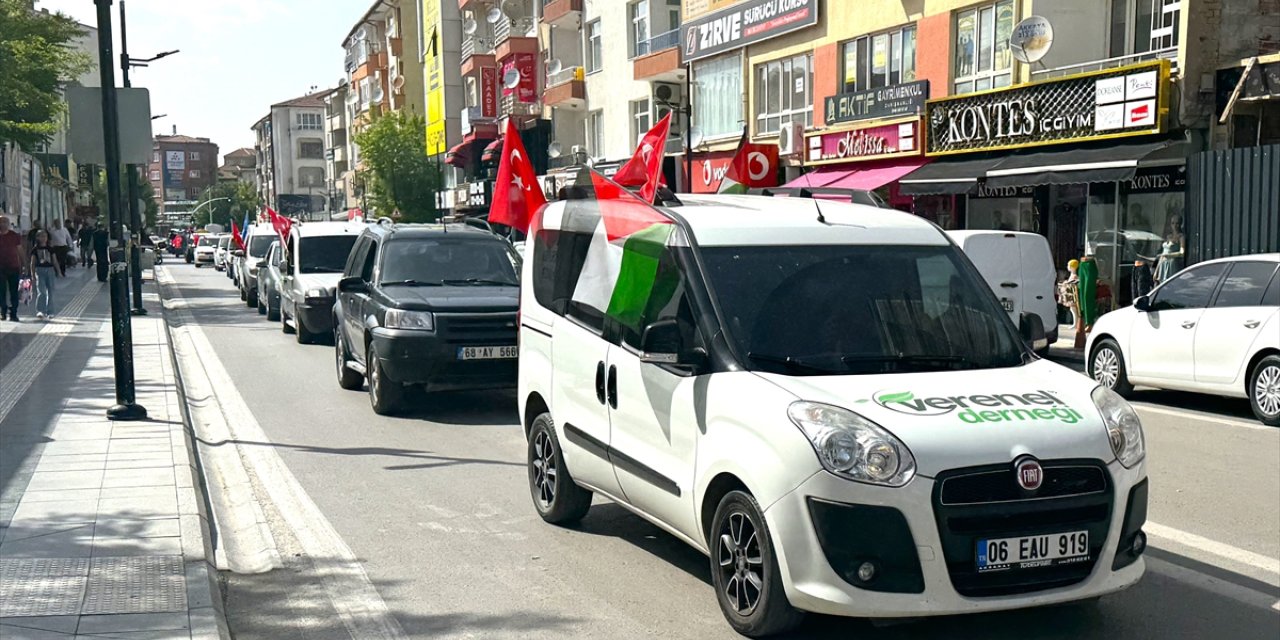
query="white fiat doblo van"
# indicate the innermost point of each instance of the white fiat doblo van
(828, 401)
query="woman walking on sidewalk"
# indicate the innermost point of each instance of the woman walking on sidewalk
(11, 261)
(44, 264)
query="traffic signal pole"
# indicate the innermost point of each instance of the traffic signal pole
(126, 407)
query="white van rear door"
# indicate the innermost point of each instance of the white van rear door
(1039, 277)
(999, 259)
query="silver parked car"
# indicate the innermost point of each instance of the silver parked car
(269, 283)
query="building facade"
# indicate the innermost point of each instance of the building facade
(339, 174)
(240, 165)
(290, 147)
(182, 168)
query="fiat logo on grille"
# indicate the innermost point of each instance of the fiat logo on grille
(1030, 474)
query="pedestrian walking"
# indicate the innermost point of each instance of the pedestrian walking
(60, 240)
(11, 261)
(100, 240)
(86, 245)
(44, 264)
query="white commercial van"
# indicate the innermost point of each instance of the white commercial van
(1018, 267)
(824, 399)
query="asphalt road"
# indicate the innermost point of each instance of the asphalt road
(435, 507)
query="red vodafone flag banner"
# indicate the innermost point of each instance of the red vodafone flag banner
(516, 193)
(644, 169)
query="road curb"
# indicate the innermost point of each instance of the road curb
(204, 597)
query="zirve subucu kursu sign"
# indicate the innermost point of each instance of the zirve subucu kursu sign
(742, 24)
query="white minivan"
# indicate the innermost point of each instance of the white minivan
(826, 400)
(1018, 267)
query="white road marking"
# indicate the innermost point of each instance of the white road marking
(1231, 590)
(1199, 415)
(1213, 547)
(349, 589)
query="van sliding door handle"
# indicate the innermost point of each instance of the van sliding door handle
(611, 387)
(1009, 285)
(1251, 324)
(600, 382)
(1188, 324)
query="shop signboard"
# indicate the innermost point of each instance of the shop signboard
(1157, 180)
(743, 24)
(526, 90)
(433, 67)
(472, 195)
(1123, 102)
(175, 168)
(488, 92)
(906, 99)
(876, 141)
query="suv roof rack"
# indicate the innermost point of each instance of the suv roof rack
(856, 196)
(384, 221)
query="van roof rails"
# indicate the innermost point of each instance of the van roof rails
(385, 221)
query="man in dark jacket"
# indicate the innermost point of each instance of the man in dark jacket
(100, 240)
(85, 239)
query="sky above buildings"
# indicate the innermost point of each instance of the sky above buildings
(237, 58)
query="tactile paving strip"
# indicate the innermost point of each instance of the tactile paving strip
(42, 586)
(146, 584)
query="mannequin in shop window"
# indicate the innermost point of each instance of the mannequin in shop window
(1172, 252)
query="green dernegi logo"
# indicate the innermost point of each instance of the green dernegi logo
(983, 408)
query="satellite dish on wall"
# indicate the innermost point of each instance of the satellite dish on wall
(511, 78)
(1031, 39)
(696, 137)
(494, 15)
(469, 26)
(555, 149)
(515, 9)
(554, 66)
(378, 94)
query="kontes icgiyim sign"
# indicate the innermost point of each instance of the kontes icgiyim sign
(743, 24)
(1120, 102)
(875, 142)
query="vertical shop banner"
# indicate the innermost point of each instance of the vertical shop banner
(489, 92)
(527, 90)
(433, 59)
(175, 168)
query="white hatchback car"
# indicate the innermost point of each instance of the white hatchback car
(828, 401)
(1212, 328)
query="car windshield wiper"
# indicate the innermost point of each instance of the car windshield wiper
(957, 362)
(479, 281)
(321, 270)
(408, 283)
(790, 363)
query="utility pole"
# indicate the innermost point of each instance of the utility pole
(126, 407)
(135, 216)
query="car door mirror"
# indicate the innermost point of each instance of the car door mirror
(663, 343)
(352, 284)
(1032, 328)
(262, 264)
(1142, 303)
(239, 253)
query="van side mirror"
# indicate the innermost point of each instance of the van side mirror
(352, 284)
(239, 253)
(1142, 303)
(1031, 326)
(662, 343)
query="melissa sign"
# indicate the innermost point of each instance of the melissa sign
(1128, 101)
(872, 142)
(743, 24)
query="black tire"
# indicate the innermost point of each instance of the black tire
(385, 396)
(556, 497)
(284, 323)
(300, 330)
(243, 294)
(1264, 391)
(749, 591)
(262, 306)
(273, 313)
(1107, 367)
(197, 265)
(347, 379)
(251, 299)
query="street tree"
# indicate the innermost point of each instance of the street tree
(241, 198)
(399, 175)
(36, 59)
(146, 196)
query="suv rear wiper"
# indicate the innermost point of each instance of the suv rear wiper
(954, 360)
(408, 283)
(790, 362)
(466, 281)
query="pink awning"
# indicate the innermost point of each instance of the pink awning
(873, 176)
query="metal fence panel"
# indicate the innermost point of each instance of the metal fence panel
(1233, 203)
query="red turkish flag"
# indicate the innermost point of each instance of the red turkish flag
(235, 235)
(517, 197)
(644, 169)
(281, 224)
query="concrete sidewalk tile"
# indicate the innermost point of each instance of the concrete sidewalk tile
(204, 623)
(139, 445)
(123, 623)
(145, 477)
(133, 528)
(193, 528)
(72, 543)
(42, 586)
(55, 463)
(156, 491)
(162, 461)
(9, 632)
(172, 634)
(73, 447)
(66, 432)
(141, 508)
(61, 624)
(54, 480)
(122, 547)
(60, 494)
(28, 530)
(57, 510)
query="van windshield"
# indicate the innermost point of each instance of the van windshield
(259, 243)
(325, 254)
(822, 310)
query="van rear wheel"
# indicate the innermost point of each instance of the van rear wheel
(558, 499)
(744, 570)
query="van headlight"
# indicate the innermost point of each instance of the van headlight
(853, 447)
(1124, 429)
(400, 319)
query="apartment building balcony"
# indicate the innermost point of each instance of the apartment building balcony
(513, 45)
(658, 59)
(477, 62)
(562, 13)
(396, 45)
(515, 36)
(508, 106)
(566, 90)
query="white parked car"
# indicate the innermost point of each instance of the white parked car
(1212, 328)
(206, 248)
(831, 405)
(222, 253)
(1018, 267)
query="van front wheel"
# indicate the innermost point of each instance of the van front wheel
(558, 499)
(745, 570)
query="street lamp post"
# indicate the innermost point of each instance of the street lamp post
(135, 216)
(126, 407)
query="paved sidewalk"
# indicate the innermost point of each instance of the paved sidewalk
(102, 532)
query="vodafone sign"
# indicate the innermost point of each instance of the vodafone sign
(709, 169)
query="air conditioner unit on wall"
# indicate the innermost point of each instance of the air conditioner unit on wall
(666, 97)
(791, 139)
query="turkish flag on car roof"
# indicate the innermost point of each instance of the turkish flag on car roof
(235, 235)
(516, 194)
(281, 224)
(644, 169)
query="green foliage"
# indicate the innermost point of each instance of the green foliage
(242, 198)
(36, 59)
(399, 176)
(146, 193)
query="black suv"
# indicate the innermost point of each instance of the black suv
(430, 305)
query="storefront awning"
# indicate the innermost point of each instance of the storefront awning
(819, 178)
(871, 178)
(458, 155)
(946, 177)
(492, 151)
(1111, 163)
